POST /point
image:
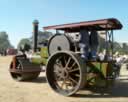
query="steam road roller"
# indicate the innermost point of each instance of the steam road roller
(23, 68)
(72, 57)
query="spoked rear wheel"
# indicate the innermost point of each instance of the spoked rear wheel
(66, 73)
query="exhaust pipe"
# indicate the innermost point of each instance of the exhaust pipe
(35, 35)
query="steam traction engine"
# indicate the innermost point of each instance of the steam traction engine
(66, 70)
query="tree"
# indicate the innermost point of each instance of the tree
(42, 38)
(24, 44)
(4, 42)
(117, 47)
(125, 47)
(27, 43)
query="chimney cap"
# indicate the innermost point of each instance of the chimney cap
(35, 21)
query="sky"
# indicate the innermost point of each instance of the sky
(16, 16)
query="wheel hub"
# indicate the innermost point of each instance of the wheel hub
(65, 74)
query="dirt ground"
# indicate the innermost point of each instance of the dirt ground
(39, 91)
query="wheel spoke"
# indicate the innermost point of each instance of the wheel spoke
(68, 62)
(64, 60)
(73, 65)
(73, 70)
(58, 78)
(70, 83)
(74, 81)
(67, 88)
(59, 64)
(59, 58)
(56, 66)
(57, 75)
(77, 75)
(63, 83)
(56, 70)
(70, 68)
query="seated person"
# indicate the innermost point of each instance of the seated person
(84, 44)
(94, 44)
(88, 42)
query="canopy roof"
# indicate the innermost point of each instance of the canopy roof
(103, 24)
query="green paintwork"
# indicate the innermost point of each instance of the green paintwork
(44, 52)
(97, 73)
(98, 67)
(41, 57)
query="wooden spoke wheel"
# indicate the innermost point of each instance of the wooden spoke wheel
(66, 73)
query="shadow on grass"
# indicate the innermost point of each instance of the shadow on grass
(40, 79)
(120, 89)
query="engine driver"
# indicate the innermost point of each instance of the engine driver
(88, 42)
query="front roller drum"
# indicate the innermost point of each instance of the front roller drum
(22, 69)
(24, 76)
(66, 73)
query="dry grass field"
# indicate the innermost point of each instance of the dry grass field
(39, 91)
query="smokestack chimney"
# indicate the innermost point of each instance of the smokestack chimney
(35, 34)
